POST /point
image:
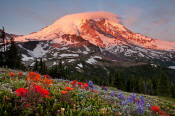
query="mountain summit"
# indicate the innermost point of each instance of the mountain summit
(94, 38)
(102, 29)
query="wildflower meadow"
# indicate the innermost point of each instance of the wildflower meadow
(29, 93)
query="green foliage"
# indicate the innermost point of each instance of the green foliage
(163, 85)
(18, 84)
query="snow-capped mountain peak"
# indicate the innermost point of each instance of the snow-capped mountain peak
(69, 24)
(102, 29)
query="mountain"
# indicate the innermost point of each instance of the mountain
(94, 38)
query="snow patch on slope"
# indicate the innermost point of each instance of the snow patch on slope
(69, 55)
(80, 65)
(171, 67)
(38, 52)
(92, 59)
(26, 58)
(71, 60)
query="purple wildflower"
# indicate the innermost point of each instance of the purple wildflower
(120, 96)
(140, 109)
(130, 99)
(113, 93)
(133, 97)
(124, 102)
(90, 84)
(105, 88)
(141, 100)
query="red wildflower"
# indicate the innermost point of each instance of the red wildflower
(32, 76)
(46, 76)
(27, 104)
(85, 86)
(21, 92)
(12, 74)
(79, 83)
(68, 88)
(43, 92)
(163, 113)
(73, 82)
(47, 82)
(155, 109)
(20, 73)
(63, 92)
(48, 97)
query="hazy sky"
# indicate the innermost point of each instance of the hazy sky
(154, 18)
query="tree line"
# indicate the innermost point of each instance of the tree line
(158, 84)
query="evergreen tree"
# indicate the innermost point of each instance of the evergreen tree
(163, 85)
(2, 47)
(155, 82)
(173, 90)
(128, 85)
(119, 80)
(40, 66)
(13, 56)
(132, 84)
(3, 39)
(140, 88)
(35, 67)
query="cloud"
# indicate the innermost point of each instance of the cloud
(132, 18)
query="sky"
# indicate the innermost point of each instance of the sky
(154, 18)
